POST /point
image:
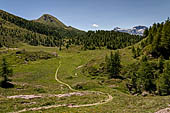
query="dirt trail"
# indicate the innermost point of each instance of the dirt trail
(98, 103)
(75, 92)
(56, 78)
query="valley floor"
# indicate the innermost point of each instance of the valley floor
(37, 79)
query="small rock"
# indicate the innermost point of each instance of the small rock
(144, 94)
(166, 110)
(136, 94)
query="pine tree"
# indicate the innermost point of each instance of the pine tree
(145, 78)
(5, 71)
(142, 44)
(115, 65)
(156, 43)
(161, 64)
(134, 52)
(107, 61)
(60, 44)
(165, 40)
(138, 52)
(146, 32)
(150, 38)
(163, 84)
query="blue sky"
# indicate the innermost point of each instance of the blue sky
(102, 14)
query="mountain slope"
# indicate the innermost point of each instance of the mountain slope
(11, 35)
(50, 20)
(41, 28)
(14, 28)
(54, 22)
(29, 25)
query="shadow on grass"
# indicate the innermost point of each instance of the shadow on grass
(5, 84)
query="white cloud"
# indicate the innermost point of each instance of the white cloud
(95, 25)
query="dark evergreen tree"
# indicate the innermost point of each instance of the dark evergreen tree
(113, 65)
(134, 52)
(165, 40)
(138, 52)
(163, 85)
(160, 64)
(146, 32)
(5, 72)
(145, 78)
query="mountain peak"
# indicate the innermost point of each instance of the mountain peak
(137, 30)
(51, 20)
(140, 27)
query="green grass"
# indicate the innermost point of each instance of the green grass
(38, 77)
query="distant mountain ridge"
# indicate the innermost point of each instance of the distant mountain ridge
(137, 30)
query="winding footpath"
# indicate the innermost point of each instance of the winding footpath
(84, 105)
(75, 92)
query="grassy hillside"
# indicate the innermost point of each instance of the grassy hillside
(36, 26)
(11, 35)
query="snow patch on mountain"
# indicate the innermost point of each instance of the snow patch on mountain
(137, 30)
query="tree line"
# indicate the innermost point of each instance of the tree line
(10, 34)
(105, 39)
